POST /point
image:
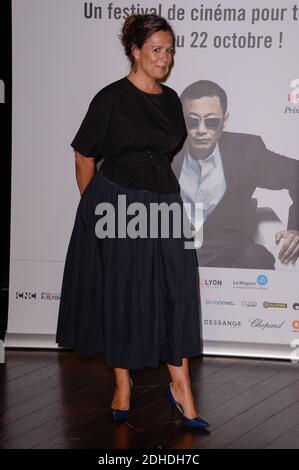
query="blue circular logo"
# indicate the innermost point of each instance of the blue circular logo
(262, 280)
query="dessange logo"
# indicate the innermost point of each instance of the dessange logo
(224, 323)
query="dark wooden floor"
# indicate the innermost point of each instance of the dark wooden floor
(52, 399)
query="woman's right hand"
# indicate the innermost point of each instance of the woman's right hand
(85, 170)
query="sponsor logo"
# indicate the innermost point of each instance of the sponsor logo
(49, 296)
(293, 98)
(274, 305)
(259, 323)
(262, 280)
(296, 306)
(248, 303)
(260, 283)
(26, 295)
(220, 302)
(211, 282)
(224, 323)
(243, 284)
(295, 324)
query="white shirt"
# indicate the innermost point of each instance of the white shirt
(203, 182)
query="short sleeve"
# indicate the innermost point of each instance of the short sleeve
(91, 138)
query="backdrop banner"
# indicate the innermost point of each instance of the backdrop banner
(237, 76)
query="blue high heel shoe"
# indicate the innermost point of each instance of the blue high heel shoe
(118, 416)
(197, 422)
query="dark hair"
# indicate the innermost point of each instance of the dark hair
(205, 88)
(138, 28)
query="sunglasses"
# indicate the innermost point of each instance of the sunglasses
(209, 122)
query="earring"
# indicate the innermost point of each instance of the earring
(135, 67)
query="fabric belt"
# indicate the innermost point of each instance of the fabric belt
(141, 155)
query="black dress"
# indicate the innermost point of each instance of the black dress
(135, 299)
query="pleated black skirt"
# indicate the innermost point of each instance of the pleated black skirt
(135, 300)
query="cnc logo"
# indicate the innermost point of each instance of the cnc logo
(26, 295)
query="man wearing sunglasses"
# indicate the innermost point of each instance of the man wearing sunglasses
(221, 171)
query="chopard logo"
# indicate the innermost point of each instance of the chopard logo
(259, 323)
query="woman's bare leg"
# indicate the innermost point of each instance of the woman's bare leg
(181, 388)
(122, 392)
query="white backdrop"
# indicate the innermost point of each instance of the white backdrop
(61, 58)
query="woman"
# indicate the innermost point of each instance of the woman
(133, 298)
